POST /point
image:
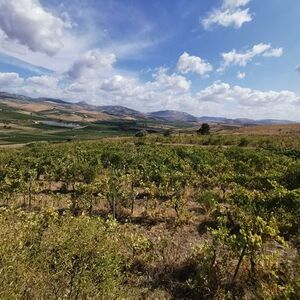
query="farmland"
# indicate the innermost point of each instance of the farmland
(23, 122)
(155, 217)
(149, 150)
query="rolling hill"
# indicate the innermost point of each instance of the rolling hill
(83, 112)
(174, 116)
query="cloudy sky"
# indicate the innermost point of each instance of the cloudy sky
(232, 58)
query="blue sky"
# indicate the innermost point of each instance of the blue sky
(233, 58)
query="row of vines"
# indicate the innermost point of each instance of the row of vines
(101, 220)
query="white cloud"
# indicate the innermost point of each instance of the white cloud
(241, 75)
(117, 83)
(231, 13)
(43, 81)
(250, 103)
(174, 82)
(223, 92)
(193, 64)
(277, 52)
(217, 92)
(243, 58)
(260, 49)
(36, 30)
(28, 23)
(78, 88)
(165, 91)
(8, 80)
(228, 17)
(235, 3)
(90, 63)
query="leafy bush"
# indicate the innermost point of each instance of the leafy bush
(44, 257)
(244, 142)
(141, 133)
(291, 178)
(204, 281)
(208, 200)
(167, 133)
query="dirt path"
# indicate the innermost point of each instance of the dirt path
(5, 146)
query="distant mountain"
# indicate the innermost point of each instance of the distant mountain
(120, 112)
(213, 120)
(4, 95)
(58, 101)
(174, 116)
(82, 103)
(274, 122)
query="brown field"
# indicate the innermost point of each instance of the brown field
(290, 129)
(30, 107)
(46, 108)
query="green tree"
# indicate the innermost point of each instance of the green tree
(204, 129)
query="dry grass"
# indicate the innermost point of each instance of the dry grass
(29, 107)
(71, 112)
(291, 129)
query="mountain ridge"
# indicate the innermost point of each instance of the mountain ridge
(116, 111)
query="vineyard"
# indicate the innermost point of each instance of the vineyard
(155, 217)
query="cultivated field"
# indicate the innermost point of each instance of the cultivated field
(155, 217)
(282, 130)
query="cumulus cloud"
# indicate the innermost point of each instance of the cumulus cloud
(217, 92)
(93, 61)
(8, 80)
(277, 52)
(223, 92)
(165, 91)
(43, 81)
(37, 29)
(230, 14)
(219, 98)
(243, 58)
(226, 18)
(241, 75)
(193, 64)
(235, 3)
(174, 82)
(117, 83)
(28, 23)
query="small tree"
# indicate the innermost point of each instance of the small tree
(204, 129)
(167, 133)
(141, 133)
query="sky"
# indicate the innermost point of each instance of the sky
(229, 58)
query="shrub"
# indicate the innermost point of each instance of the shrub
(141, 133)
(291, 178)
(244, 142)
(204, 282)
(167, 133)
(208, 200)
(44, 257)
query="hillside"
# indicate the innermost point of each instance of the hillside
(174, 116)
(24, 119)
(121, 111)
(82, 111)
